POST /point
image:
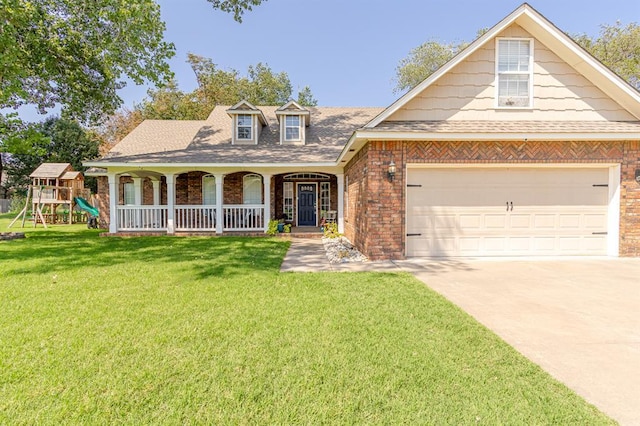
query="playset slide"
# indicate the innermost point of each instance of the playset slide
(84, 205)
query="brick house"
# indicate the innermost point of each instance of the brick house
(523, 144)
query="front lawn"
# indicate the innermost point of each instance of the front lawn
(206, 330)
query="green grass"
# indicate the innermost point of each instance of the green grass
(206, 330)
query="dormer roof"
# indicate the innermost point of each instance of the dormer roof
(246, 107)
(293, 108)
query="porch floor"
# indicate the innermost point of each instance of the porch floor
(296, 232)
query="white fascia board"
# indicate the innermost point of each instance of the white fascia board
(461, 56)
(373, 135)
(348, 146)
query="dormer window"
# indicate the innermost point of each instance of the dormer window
(245, 124)
(294, 119)
(514, 72)
(292, 128)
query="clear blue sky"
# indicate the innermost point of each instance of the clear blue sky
(347, 50)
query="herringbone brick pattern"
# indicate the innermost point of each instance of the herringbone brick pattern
(514, 151)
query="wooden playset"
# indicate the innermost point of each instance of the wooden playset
(57, 195)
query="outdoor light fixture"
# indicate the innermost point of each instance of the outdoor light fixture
(637, 175)
(392, 171)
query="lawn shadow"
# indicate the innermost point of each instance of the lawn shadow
(49, 251)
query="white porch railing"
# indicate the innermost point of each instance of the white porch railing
(243, 217)
(142, 218)
(195, 218)
(237, 217)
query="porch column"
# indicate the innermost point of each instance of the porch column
(171, 201)
(113, 202)
(137, 191)
(266, 183)
(156, 191)
(340, 202)
(219, 202)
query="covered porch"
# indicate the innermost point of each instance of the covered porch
(217, 202)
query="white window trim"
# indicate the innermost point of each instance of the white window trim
(299, 127)
(250, 126)
(497, 73)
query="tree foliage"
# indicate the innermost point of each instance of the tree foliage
(77, 53)
(237, 7)
(56, 140)
(260, 86)
(423, 61)
(617, 46)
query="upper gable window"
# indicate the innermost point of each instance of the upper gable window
(245, 124)
(292, 128)
(514, 72)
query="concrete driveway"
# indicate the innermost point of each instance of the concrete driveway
(578, 319)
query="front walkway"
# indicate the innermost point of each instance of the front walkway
(308, 255)
(576, 318)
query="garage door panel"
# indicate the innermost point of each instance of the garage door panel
(495, 221)
(544, 221)
(595, 221)
(569, 221)
(520, 221)
(463, 212)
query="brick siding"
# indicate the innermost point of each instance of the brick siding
(375, 220)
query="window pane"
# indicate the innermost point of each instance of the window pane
(292, 127)
(287, 200)
(244, 126)
(513, 55)
(244, 132)
(325, 196)
(208, 190)
(129, 196)
(244, 120)
(292, 133)
(252, 189)
(292, 120)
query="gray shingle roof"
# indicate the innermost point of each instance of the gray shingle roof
(209, 141)
(476, 126)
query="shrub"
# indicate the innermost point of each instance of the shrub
(331, 230)
(272, 229)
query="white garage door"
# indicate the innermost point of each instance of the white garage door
(507, 211)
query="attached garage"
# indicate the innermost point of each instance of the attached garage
(511, 211)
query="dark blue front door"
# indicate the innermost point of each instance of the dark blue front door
(307, 204)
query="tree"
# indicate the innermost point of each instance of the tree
(60, 140)
(19, 138)
(618, 47)
(261, 85)
(305, 97)
(423, 61)
(77, 53)
(237, 7)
